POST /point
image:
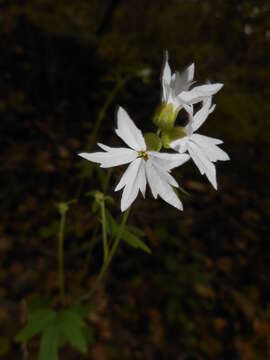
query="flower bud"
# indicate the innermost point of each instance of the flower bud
(171, 135)
(165, 116)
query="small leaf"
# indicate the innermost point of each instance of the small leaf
(127, 235)
(38, 322)
(134, 241)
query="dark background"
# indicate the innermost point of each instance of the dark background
(204, 291)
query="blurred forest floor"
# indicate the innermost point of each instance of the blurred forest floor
(204, 291)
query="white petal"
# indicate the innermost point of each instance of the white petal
(195, 158)
(190, 72)
(104, 147)
(151, 177)
(166, 72)
(113, 157)
(126, 177)
(188, 108)
(129, 132)
(142, 178)
(208, 167)
(166, 79)
(201, 115)
(183, 80)
(180, 145)
(169, 178)
(207, 140)
(199, 93)
(212, 151)
(167, 161)
(131, 189)
(163, 189)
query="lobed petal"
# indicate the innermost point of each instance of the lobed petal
(167, 161)
(199, 93)
(129, 132)
(111, 157)
(159, 185)
(203, 163)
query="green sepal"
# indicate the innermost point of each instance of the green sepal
(165, 117)
(153, 141)
(171, 135)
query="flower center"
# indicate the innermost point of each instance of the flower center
(143, 154)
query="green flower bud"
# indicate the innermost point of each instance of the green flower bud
(153, 142)
(170, 135)
(165, 116)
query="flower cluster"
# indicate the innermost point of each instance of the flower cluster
(147, 164)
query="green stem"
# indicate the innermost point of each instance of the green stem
(104, 232)
(61, 256)
(110, 256)
(93, 240)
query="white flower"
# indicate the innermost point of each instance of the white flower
(175, 88)
(144, 166)
(202, 149)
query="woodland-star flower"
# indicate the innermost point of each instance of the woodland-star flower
(202, 149)
(175, 88)
(145, 166)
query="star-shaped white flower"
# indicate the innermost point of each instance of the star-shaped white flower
(175, 88)
(202, 149)
(144, 167)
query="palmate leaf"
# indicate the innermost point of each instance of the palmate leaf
(75, 336)
(39, 320)
(128, 235)
(57, 329)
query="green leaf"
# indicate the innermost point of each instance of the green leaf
(153, 142)
(74, 335)
(70, 316)
(38, 322)
(134, 241)
(127, 235)
(136, 231)
(72, 325)
(111, 224)
(50, 342)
